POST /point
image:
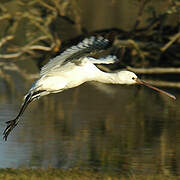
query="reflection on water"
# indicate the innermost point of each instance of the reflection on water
(133, 130)
(122, 128)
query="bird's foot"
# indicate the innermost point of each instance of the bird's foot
(10, 126)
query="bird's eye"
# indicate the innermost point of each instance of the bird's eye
(133, 78)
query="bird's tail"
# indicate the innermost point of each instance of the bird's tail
(32, 95)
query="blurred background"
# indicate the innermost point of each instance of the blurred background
(126, 129)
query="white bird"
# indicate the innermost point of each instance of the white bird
(72, 68)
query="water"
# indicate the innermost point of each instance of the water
(128, 129)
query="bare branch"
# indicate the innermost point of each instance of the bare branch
(173, 39)
(38, 39)
(47, 5)
(155, 70)
(26, 49)
(164, 83)
(142, 6)
(5, 16)
(9, 56)
(14, 67)
(39, 47)
(130, 44)
(5, 39)
(42, 29)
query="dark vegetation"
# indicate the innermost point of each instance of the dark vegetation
(74, 174)
(35, 28)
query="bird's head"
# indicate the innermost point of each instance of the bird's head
(128, 77)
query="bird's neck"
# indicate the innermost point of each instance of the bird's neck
(110, 78)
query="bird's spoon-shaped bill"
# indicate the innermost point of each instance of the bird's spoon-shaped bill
(139, 81)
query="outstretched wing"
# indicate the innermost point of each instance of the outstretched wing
(103, 60)
(82, 49)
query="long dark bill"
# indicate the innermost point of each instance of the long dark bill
(13, 123)
(139, 81)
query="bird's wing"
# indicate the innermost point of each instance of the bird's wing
(104, 60)
(87, 46)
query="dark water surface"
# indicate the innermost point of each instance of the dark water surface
(129, 129)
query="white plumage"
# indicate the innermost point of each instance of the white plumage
(72, 68)
(71, 75)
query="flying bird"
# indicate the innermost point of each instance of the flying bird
(73, 67)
